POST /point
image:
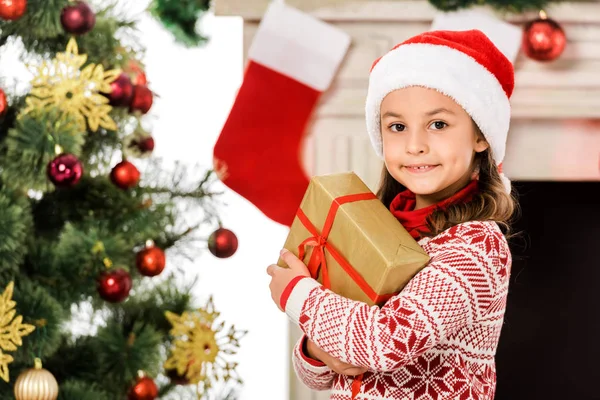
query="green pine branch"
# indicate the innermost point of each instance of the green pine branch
(55, 242)
(511, 6)
(180, 17)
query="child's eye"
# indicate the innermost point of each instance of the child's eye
(397, 127)
(438, 125)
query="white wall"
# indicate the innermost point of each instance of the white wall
(197, 88)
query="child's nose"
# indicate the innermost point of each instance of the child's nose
(417, 143)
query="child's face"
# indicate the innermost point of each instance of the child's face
(429, 142)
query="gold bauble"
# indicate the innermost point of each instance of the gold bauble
(36, 384)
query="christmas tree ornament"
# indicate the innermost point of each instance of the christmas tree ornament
(59, 83)
(65, 170)
(142, 99)
(12, 329)
(222, 243)
(543, 39)
(121, 91)
(278, 93)
(36, 384)
(139, 144)
(12, 10)
(114, 285)
(77, 18)
(3, 103)
(151, 260)
(125, 175)
(140, 79)
(143, 389)
(137, 74)
(202, 347)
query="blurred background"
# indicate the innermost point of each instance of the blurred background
(548, 348)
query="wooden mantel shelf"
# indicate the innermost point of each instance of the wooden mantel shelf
(393, 10)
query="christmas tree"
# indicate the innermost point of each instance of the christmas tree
(88, 218)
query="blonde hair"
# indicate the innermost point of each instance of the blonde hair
(491, 203)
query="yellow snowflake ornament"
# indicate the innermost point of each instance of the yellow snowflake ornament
(59, 83)
(11, 329)
(201, 348)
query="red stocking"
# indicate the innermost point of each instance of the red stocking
(292, 60)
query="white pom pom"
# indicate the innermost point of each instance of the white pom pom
(506, 183)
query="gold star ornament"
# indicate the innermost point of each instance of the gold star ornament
(12, 329)
(201, 347)
(60, 83)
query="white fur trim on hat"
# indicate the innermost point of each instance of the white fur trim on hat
(505, 182)
(450, 72)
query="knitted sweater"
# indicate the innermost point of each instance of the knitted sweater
(435, 340)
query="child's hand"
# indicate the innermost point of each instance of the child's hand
(281, 277)
(334, 364)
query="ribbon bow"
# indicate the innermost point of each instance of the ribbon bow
(317, 259)
(319, 243)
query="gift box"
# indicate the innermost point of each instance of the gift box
(350, 242)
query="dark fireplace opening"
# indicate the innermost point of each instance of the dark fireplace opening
(550, 342)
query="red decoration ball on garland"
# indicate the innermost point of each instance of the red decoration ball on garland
(78, 18)
(125, 175)
(12, 10)
(543, 39)
(3, 103)
(151, 260)
(222, 243)
(65, 170)
(143, 389)
(114, 285)
(142, 99)
(121, 91)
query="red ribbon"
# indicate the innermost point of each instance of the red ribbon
(319, 243)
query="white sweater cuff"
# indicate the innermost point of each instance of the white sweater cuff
(297, 298)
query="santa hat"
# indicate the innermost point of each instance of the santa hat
(464, 65)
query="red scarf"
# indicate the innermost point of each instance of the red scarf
(415, 221)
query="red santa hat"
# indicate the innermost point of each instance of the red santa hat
(464, 65)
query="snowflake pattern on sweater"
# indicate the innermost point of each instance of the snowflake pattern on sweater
(437, 339)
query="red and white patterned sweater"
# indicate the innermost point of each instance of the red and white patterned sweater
(435, 340)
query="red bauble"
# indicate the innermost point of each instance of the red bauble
(138, 76)
(12, 9)
(543, 39)
(125, 175)
(143, 389)
(3, 103)
(121, 91)
(151, 260)
(114, 285)
(142, 99)
(140, 79)
(141, 146)
(146, 145)
(78, 18)
(65, 170)
(222, 243)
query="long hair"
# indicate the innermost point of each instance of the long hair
(492, 203)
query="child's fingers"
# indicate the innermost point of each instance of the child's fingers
(293, 262)
(271, 269)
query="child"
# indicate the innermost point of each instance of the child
(438, 114)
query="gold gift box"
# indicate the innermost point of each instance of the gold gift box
(368, 254)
